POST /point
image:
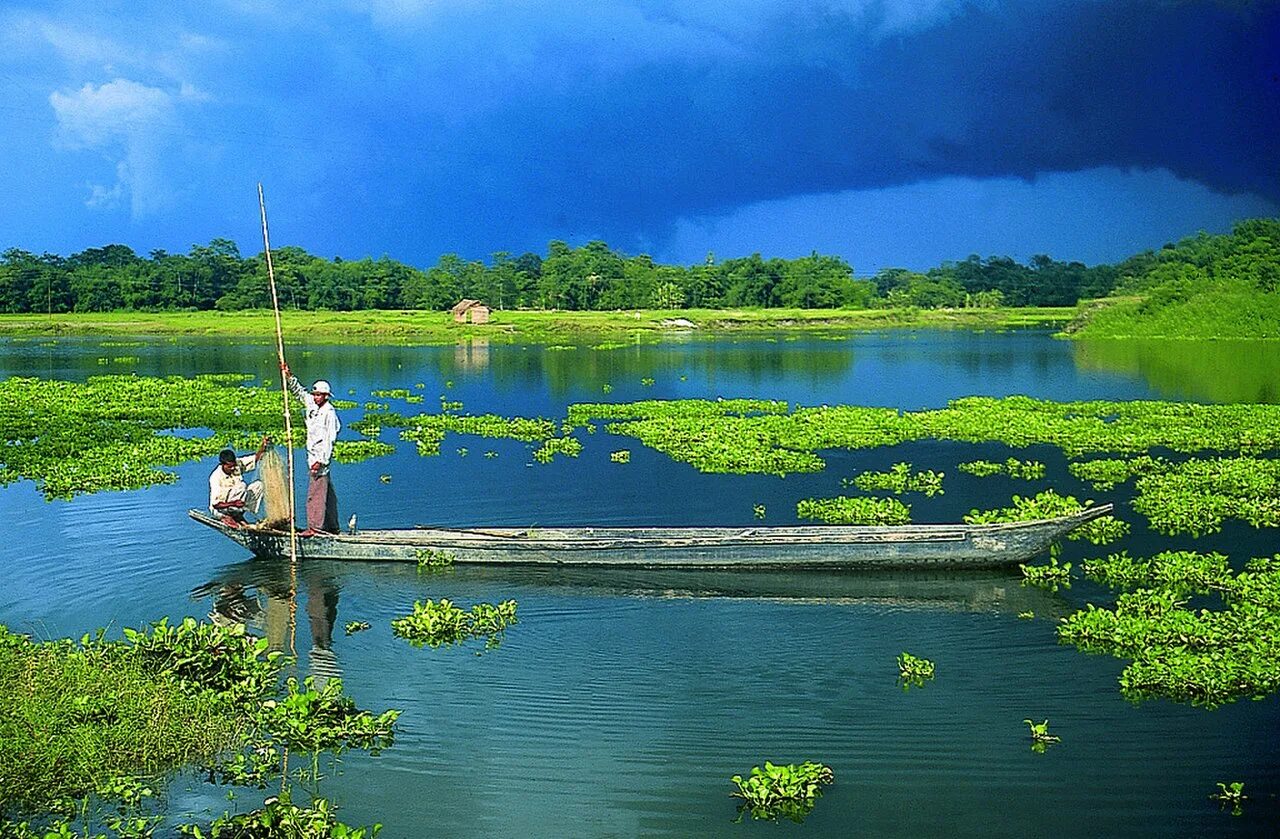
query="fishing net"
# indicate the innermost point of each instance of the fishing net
(275, 489)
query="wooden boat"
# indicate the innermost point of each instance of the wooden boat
(903, 546)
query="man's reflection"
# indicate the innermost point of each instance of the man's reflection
(256, 593)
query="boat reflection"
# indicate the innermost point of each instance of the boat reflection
(258, 595)
(978, 591)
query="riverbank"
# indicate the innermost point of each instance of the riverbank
(422, 327)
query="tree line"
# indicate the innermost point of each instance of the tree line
(591, 277)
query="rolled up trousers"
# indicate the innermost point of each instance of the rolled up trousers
(322, 503)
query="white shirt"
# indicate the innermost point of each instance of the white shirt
(322, 425)
(224, 487)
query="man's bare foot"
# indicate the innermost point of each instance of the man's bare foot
(307, 533)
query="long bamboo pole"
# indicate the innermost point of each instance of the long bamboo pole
(284, 383)
(288, 448)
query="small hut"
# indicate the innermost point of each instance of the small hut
(470, 310)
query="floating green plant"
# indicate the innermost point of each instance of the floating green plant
(1184, 572)
(1027, 470)
(352, 627)
(788, 791)
(1026, 616)
(490, 454)
(431, 560)
(1040, 736)
(1049, 576)
(1230, 795)
(434, 624)
(913, 671)
(279, 817)
(899, 479)
(606, 388)
(620, 456)
(844, 510)
(1197, 495)
(647, 381)
(758, 510)
(462, 451)
(1105, 473)
(427, 431)
(354, 451)
(567, 446)
(1203, 656)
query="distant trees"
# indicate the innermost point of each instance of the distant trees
(595, 276)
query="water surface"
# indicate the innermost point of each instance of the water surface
(622, 701)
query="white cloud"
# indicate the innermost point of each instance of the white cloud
(131, 124)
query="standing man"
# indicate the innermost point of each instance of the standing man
(229, 496)
(322, 430)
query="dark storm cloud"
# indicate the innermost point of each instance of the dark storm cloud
(821, 103)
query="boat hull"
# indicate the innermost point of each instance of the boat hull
(906, 546)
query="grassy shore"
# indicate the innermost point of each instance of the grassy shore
(421, 327)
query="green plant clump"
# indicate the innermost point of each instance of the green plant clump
(913, 671)
(1183, 572)
(1202, 656)
(899, 479)
(431, 560)
(1040, 736)
(789, 791)
(1230, 795)
(428, 431)
(435, 624)
(1197, 495)
(567, 446)
(1027, 470)
(1049, 576)
(844, 510)
(278, 818)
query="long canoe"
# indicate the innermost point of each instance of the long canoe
(902, 546)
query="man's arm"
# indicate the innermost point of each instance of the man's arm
(295, 386)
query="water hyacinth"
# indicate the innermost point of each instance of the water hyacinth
(899, 479)
(844, 510)
(1047, 505)
(789, 791)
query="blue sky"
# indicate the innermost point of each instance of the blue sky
(890, 132)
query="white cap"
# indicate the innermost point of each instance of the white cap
(321, 386)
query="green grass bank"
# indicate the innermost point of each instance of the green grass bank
(425, 327)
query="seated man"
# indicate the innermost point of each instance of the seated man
(229, 496)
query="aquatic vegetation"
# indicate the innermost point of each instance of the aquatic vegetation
(1197, 495)
(447, 405)
(858, 510)
(1049, 576)
(391, 393)
(1232, 795)
(111, 432)
(352, 627)
(439, 623)
(376, 406)
(98, 722)
(778, 442)
(899, 479)
(913, 671)
(1040, 736)
(490, 454)
(1203, 656)
(789, 791)
(1027, 470)
(314, 720)
(758, 510)
(567, 446)
(647, 381)
(620, 456)
(1026, 616)
(1049, 504)
(386, 479)
(1184, 572)
(606, 388)
(429, 559)
(1105, 473)
(462, 451)
(428, 431)
(278, 818)
(354, 451)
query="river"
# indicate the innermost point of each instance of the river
(621, 702)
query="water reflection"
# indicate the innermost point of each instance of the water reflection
(259, 595)
(1206, 371)
(256, 591)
